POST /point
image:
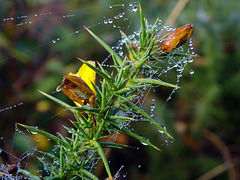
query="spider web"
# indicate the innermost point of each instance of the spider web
(34, 39)
(48, 28)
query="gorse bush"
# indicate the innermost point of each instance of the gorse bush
(110, 106)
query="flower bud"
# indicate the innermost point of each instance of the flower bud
(177, 38)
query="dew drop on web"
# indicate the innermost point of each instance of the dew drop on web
(125, 175)
(135, 8)
(110, 20)
(105, 21)
(121, 15)
(191, 72)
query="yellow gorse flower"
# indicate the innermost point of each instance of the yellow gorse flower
(78, 87)
(88, 75)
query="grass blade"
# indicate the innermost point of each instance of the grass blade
(28, 174)
(143, 25)
(103, 156)
(112, 52)
(50, 136)
(58, 101)
(153, 81)
(89, 174)
(86, 108)
(130, 133)
(112, 145)
(144, 114)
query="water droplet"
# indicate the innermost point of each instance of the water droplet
(53, 41)
(143, 143)
(16, 127)
(58, 89)
(130, 4)
(121, 15)
(33, 132)
(191, 71)
(76, 32)
(139, 166)
(55, 162)
(105, 21)
(123, 4)
(110, 20)
(120, 53)
(70, 131)
(135, 8)
(35, 15)
(164, 128)
(179, 75)
(110, 6)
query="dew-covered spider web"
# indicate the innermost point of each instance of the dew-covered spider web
(39, 43)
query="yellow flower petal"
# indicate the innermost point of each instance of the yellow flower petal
(88, 75)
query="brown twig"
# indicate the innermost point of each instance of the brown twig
(176, 12)
(227, 165)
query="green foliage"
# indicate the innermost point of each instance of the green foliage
(115, 94)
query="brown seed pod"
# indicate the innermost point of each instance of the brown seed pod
(79, 92)
(76, 89)
(177, 38)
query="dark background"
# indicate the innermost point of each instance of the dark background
(203, 116)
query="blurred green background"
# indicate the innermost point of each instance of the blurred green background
(203, 116)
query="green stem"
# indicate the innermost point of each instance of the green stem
(104, 158)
